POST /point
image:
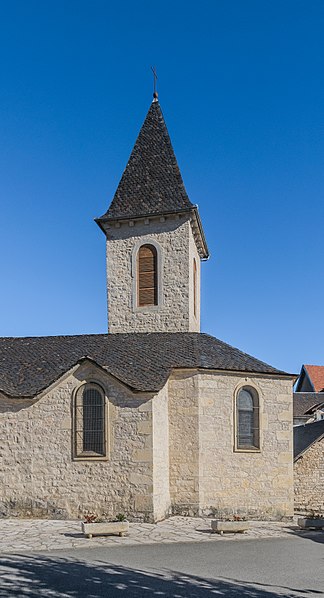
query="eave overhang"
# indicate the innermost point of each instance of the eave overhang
(195, 221)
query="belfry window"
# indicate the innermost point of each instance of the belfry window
(90, 422)
(247, 419)
(147, 276)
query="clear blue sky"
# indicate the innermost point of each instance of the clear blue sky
(241, 88)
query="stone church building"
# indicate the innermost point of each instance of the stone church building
(154, 417)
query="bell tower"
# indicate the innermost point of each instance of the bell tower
(155, 240)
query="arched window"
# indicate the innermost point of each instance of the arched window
(195, 287)
(147, 276)
(90, 421)
(247, 419)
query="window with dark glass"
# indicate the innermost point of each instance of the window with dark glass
(147, 292)
(90, 422)
(247, 419)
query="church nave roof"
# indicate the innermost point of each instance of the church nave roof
(142, 361)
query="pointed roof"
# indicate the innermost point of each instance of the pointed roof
(316, 376)
(151, 183)
(311, 379)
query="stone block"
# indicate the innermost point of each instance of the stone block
(140, 479)
(234, 527)
(284, 434)
(282, 481)
(285, 416)
(146, 406)
(265, 421)
(143, 455)
(106, 528)
(144, 427)
(285, 458)
(143, 502)
(66, 423)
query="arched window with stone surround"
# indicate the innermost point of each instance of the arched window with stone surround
(147, 276)
(247, 419)
(90, 422)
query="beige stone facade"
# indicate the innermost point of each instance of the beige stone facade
(209, 476)
(38, 472)
(309, 480)
(171, 450)
(168, 453)
(173, 238)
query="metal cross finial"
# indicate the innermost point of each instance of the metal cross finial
(155, 93)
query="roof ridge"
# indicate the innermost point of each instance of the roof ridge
(9, 338)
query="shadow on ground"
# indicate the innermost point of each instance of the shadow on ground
(307, 534)
(39, 576)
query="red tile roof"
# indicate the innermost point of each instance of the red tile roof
(316, 374)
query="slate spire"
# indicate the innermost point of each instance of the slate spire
(151, 183)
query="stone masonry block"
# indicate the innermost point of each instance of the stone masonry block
(144, 427)
(143, 455)
(143, 503)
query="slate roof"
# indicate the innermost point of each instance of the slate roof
(303, 401)
(151, 183)
(141, 361)
(305, 436)
(316, 375)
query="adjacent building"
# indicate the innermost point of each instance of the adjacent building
(309, 395)
(309, 468)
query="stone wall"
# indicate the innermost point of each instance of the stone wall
(38, 475)
(258, 484)
(309, 480)
(174, 239)
(161, 482)
(170, 452)
(184, 443)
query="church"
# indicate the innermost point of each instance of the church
(152, 418)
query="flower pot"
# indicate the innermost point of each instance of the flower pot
(105, 528)
(233, 527)
(311, 523)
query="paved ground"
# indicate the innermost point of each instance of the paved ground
(18, 535)
(291, 567)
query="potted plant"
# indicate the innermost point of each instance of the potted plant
(234, 525)
(311, 521)
(99, 526)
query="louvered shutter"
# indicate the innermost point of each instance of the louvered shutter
(147, 276)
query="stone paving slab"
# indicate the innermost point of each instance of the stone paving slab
(28, 535)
